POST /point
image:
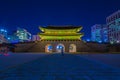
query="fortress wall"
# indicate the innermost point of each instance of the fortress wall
(81, 46)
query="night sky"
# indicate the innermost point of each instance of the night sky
(30, 14)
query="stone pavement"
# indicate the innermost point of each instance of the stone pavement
(57, 67)
(14, 59)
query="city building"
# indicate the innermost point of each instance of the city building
(3, 32)
(23, 35)
(99, 33)
(3, 36)
(13, 38)
(104, 33)
(3, 39)
(35, 38)
(113, 24)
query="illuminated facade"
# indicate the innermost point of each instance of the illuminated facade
(99, 33)
(3, 32)
(3, 36)
(55, 38)
(23, 35)
(60, 33)
(113, 23)
(13, 38)
(2, 39)
(35, 38)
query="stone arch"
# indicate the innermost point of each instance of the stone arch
(59, 48)
(48, 48)
(72, 48)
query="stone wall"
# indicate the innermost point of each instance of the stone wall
(81, 46)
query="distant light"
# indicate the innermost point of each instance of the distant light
(49, 47)
(100, 41)
(111, 42)
(5, 30)
(22, 33)
(1, 29)
(17, 31)
(57, 47)
(118, 41)
(60, 47)
(88, 40)
(8, 38)
(30, 38)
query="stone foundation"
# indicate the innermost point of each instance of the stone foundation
(40, 46)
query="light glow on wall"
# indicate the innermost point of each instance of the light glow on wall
(60, 34)
(60, 37)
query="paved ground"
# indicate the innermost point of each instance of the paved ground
(107, 58)
(57, 67)
(14, 59)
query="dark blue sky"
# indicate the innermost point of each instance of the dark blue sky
(30, 14)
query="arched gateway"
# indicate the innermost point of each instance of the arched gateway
(59, 48)
(72, 48)
(48, 48)
(57, 37)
